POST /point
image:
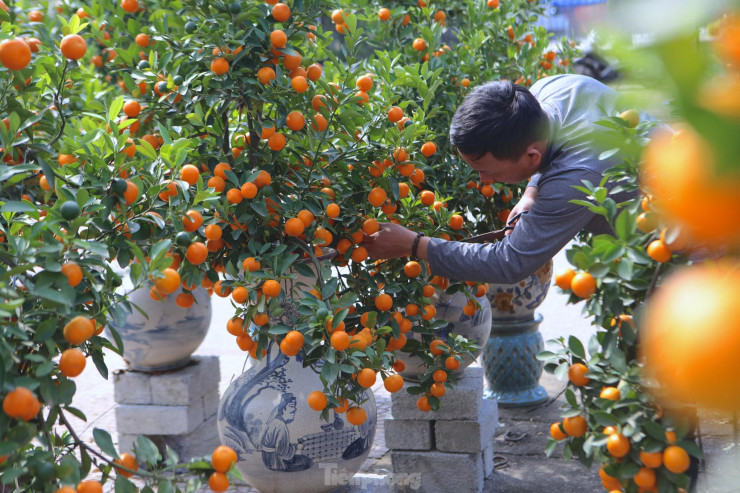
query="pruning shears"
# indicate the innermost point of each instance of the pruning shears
(495, 235)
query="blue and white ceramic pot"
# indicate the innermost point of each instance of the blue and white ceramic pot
(168, 335)
(517, 302)
(283, 445)
(510, 362)
(474, 328)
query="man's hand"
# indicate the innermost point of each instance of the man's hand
(390, 241)
(524, 204)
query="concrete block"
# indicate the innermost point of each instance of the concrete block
(468, 436)
(200, 442)
(137, 419)
(132, 387)
(461, 403)
(210, 403)
(440, 472)
(487, 457)
(408, 434)
(186, 385)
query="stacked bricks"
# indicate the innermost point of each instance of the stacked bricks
(446, 450)
(175, 408)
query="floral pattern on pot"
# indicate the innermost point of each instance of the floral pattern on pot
(282, 444)
(518, 301)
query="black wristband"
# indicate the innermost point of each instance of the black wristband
(415, 245)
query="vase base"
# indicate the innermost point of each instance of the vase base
(160, 368)
(517, 398)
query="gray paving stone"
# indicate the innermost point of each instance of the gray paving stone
(408, 434)
(462, 402)
(468, 436)
(438, 472)
(487, 457)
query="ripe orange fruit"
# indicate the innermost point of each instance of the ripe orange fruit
(427, 197)
(577, 374)
(419, 44)
(395, 114)
(281, 12)
(356, 415)
(393, 383)
(340, 340)
(142, 40)
(313, 72)
(320, 123)
(428, 312)
(690, 334)
(377, 197)
(610, 393)
(370, 226)
(651, 459)
(644, 478)
(169, 283)
(556, 432)
(422, 403)
(299, 84)
(412, 268)
(271, 288)
(74, 46)
(265, 75)
(618, 445)
(575, 426)
(78, 330)
(192, 220)
(364, 83)
(680, 168)
(196, 253)
(294, 339)
(185, 300)
(437, 390)
(223, 458)
(131, 193)
(21, 403)
(72, 362)
(317, 400)
(73, 273)
(366, 377)
(675, 459)
(435, 347)
(384, 14)
(90, 486)
(452, 363)
(218, 482)
(132, 108)
(564, 279)
(130, 6)
(658, 251)
(456, 221)
(219, 66)
(278, 38)
(632, 117)
(128, 461)
(295, 121)
(15, 54)
(439, 376)
(383, 302)
(276, 142)
(293, 62)
(583, 285)
(251, 264)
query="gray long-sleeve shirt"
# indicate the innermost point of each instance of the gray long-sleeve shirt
(573, 103)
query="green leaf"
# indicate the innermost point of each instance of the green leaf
(104, 441)
(576, 347)
(146, 451)
(115, 108)
(604, 418)
(692, 448)
(625, 225)
(48, 171)
(16, 206)
(123, 485)
(329, 373)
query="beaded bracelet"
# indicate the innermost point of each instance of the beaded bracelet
(416, 244)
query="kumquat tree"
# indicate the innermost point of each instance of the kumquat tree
(659, 288)
(232, 146)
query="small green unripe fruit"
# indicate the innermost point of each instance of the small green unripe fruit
(70, 210)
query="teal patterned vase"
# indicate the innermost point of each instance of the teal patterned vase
(510, 361)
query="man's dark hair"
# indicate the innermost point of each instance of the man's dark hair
(498, 117)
